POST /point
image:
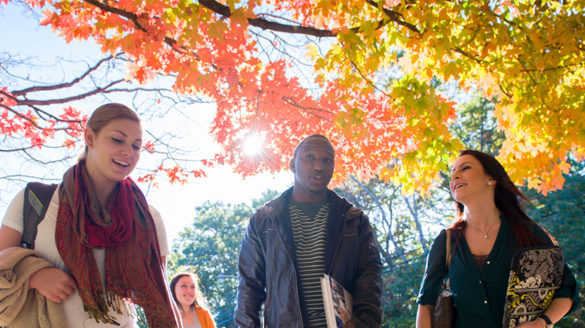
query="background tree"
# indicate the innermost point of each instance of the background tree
(562, 214)
(476, 126)
(404, 226)
(363, 72)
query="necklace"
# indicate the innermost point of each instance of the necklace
(485, 234)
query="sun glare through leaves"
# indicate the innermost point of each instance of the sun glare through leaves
(253, 145)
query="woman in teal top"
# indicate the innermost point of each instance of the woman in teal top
(491, 226)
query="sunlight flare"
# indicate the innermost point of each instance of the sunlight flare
(253, 144)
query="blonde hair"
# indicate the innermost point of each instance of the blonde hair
(107, 113)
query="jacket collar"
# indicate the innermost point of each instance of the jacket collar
(278, 207)
(340, 210)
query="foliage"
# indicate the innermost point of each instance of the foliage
(561, 213)
(370, 68)
(44, 110)
(210, 248)
(401, 283)
(405, 226)
(476, 126)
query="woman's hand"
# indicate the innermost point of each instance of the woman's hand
(53, 283)
(538, 323)
(555, 312)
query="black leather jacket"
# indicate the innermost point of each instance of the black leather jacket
(268, 272)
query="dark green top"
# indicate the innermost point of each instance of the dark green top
(480, 296)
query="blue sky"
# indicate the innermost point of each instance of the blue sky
(21, 34)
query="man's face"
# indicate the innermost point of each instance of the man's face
(313, 168)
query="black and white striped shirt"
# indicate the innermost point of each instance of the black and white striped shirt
(309, 227)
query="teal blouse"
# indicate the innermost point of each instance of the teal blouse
(480, 296)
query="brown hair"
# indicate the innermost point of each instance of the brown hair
(107, 113)
(200, 301)
(506, 196)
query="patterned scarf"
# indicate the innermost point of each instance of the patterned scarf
(126, 230)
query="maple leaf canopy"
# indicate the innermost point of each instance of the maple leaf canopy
(365, 73)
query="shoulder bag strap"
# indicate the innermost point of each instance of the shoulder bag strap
(36, 201)
(448, 254)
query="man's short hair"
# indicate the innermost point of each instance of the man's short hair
(307, 138)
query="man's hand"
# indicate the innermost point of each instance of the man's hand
(53, 283)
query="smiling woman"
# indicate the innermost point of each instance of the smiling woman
(113, 139)
(97, 221)
(187, 294)
(491, 227)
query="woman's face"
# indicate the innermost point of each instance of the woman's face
(469, 180)
(185, 291)
(114, 151)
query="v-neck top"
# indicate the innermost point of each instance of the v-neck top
(480, 296)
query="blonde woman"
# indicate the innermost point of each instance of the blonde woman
(106, 247)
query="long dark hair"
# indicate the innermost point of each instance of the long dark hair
(507, 198)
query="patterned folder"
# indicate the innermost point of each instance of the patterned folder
(535, 274)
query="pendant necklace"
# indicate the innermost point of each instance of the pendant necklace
(485, 234)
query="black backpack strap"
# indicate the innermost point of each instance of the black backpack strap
(36, 201)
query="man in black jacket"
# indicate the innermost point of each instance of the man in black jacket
(296, 238)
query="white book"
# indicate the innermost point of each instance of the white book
(337, 302)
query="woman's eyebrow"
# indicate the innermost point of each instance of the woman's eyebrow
(453, 169)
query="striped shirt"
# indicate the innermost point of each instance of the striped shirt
(309, 227)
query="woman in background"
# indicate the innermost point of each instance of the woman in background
(491, 226)
(192, 305)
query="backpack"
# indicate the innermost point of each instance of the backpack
(36, 201)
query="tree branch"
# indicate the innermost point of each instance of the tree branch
(266, 24)
(261, 23)
(381, 209)
(80, 96)
(310, 110)
(132, 17)
(370, 82)
(413, 209)
(394, 17)
(63, 85)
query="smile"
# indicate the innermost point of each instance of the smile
(120, 163)
(457, 186)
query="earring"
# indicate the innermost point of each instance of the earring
(489, 183)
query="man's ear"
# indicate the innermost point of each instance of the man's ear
(292, 165)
